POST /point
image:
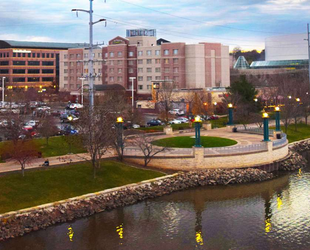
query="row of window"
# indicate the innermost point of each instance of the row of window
(30, 71)
(34, 55)
(148, 53)
(30, 63)
(72, 78)
(33, 79)
(72, 71)
(149, 78)
(78, 56)
(72, 64)
(5, 54)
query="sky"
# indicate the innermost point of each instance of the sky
(237, 23)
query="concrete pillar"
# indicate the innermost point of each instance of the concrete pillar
(269, 146)
(199, 156)
(168, 130)
(275, 133)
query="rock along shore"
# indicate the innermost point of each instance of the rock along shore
(18, 223)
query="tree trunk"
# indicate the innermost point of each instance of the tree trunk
(46, 140)
(23, 170)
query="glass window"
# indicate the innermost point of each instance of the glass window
(43, 55)
(119, 78)
(47, 71)
(19, 71)
(111, 54)
(19, 79)
(47, 55)
(33, 79)
(130, 70)
(140, 70)
(140, 61)
(19, 63)
(149, 70)
(149, 86)
(149, 52)
(166, 52)
(119, 62)
(119, 70)
(175, 60)
(140, 78)
(175, 51)
(167, 70)
(130, 62)
(176, 78)
(47, 63)
(149, 78)
(14, 54)
(157, 52)
(65, 56)
(140, 53)
(33, 71)
(149, 61)
(38, 55)
(166, 61)
(175, 70)
(86, 55)
(119, 54)
(130, 53)
(65, 64)
(47, 79)
(4, 62)
(157, 70)
(4, 71)
(157, 77)
(34, 63)
(33, 55)
(105, 54)
(157, 61)
(140, 86)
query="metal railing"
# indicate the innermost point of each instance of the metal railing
(280, 142)
(254, 130)
(236, 149)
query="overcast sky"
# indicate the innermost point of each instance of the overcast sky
(244, 23)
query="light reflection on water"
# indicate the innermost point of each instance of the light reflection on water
(268, 215)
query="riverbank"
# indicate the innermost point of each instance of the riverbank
(24, 221)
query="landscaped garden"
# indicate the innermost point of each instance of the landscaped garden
(42, 186)
(189, 141)
(303, 132)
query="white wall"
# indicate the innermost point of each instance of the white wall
(286, 47)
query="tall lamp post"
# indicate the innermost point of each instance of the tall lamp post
(230, 114)
(119, 125)
(277, 110)
(197, 131)
(3, 89)
(266, 126)
(132, 91)
(82, 89)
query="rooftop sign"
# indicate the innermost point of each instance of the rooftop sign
(140, 32)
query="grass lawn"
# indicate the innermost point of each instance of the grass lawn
(303, 132)
(54, 184)
(188, 142)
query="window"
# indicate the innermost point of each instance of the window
(47, 79)
(149, 78)
(111, 78)
(100, 55)
(48, 63)
(119, 70)
(166, 52)
(71, 64)
(166, 61)
(157, 77)
(175, 60)
(33, 71)
(176, 78)
(140, 86)
(71, 71)
(19, 71)
(112, 70)
(52, 55)
(65, 71)
(140, 61)
(167, 70)
(149, 52)
(4, 63)
(48, 55)
(119, 62)
(111, 63)
(66, 78)
(175, 70)
(119, 54)
(140, 70)
(149, 61)
(33, 55)
(166, 78)
(157, 61)
(157, 70)
(130, 53)
(78, 64)
(65, 64)
(130, 62)
(19, 55)
(130, 70)
(140, 78)
(19, 79)
(19, 63)
(157, 52)
(29, 54)
(14, 54)
(38, 55)
(47, 71)
(78, 56)
(86, 55)
(140, 53)
(4, 71)
(33, 79)
(149, 70)
(111, 54)
(119, 78)
(149, 86)
(105, 54)
(175, 51)
(99, 70)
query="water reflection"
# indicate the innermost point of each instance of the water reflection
(269, 215)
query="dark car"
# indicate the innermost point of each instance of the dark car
(154, 123)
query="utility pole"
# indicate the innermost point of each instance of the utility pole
(90, 62)
(82, 90)
(132, 92)
(3, 90)
(308, 51)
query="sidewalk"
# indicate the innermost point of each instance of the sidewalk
(54, 161)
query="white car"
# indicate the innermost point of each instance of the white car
(135, 125)
(176, 112)
(182, 119)
(32, 123)
(175, 121)
(76, 105)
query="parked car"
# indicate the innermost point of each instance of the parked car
(176, 112)
(75, 106)
(182, 119)
(175, 121)
(32, 123)
(213, 117)
(154, 123)
(68, 118)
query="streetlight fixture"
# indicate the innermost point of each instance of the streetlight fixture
(3, 89)
(289, 97)
(230, 113)
(197, 131)
(82, 89)
(255, 100)
(277, 110)
(266, 126)
(297, 99)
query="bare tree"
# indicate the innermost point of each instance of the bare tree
(144, 143)
(95, 130)
(14, 128)
(21, 151)
(165, 99)
(47, 127)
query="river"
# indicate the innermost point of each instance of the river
(269, 215)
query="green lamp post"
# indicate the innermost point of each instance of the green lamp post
(277, 110)
(266, 126)
(119, 127)
(230, 114)
(197, 131)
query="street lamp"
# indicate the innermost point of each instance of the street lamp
(266, 126)
(297, 99)
(289, 97)
(255, 100)
(132, 91)
(3, 89)
(277, 110)
(230, 113)
(197, 131)
(119, 126)
(82, 89)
